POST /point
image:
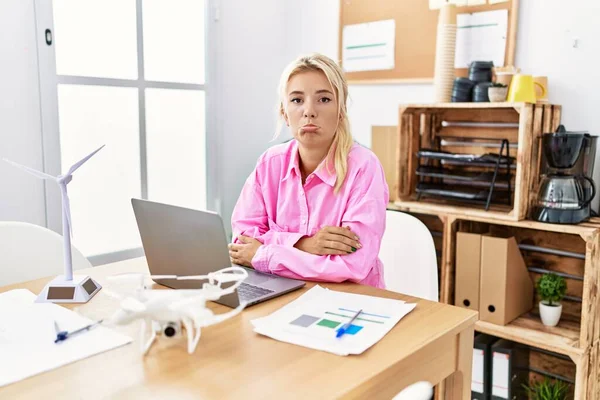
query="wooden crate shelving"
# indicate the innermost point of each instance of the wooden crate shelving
(580, 325)
(577, 336)
(421, 126)
(572, 349)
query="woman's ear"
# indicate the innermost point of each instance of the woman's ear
(283, 114)
(285, 118)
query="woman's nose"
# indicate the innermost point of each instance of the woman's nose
(309, 111)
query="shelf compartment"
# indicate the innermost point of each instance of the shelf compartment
(426, 126)
(570, 250)
(529, 330)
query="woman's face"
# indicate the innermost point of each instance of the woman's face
(311, 110)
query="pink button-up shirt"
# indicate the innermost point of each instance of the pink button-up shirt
(276, 209)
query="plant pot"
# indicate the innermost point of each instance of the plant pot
(550, 314)
(497, 94)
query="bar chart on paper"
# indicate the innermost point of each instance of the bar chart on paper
(313, 319)
(334, 319)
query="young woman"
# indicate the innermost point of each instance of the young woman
(313, 208)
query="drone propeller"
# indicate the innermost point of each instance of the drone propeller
(132, 275)
(133, 305)
(231, 274)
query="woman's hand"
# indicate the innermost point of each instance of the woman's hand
(243, 253)
(330, 240)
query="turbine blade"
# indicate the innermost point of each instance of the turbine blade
(83, 160)
(32, 171)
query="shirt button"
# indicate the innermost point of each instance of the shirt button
(303, 222)
(302, 194)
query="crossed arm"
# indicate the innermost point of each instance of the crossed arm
(329, 255)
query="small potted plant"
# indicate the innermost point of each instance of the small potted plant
(547, 390)
(552, 289)
(497, 92)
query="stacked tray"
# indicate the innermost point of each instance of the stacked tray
(454, 178)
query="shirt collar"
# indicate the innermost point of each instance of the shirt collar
(293, 165)
(325, 171)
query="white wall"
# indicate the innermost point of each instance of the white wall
(253, 52)
(569, 54)
(21, 196)
(546, 31)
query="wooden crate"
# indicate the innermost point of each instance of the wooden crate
(543, 364)
(422, 126)
(577, 335)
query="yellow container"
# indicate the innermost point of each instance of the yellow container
(522, 89)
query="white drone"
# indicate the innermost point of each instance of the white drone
(164, 312)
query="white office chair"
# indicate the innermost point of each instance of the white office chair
(417, 391)
(410, 267)
(30, 251)
(408, 255)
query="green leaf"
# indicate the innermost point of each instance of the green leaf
(547, 390)
(551, 288)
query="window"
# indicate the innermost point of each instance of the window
(129, 74)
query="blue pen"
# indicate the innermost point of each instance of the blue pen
(64, 335)
(345, 327)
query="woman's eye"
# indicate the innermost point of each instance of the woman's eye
(296, 100)
(325, 99)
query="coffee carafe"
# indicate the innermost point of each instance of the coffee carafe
(566, 189)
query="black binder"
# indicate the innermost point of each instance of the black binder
(481, 381)
(510, 370)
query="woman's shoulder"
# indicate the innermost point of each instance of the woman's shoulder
(277, 155)
(362, 158)
(366, 172)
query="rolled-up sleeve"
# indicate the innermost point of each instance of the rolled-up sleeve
(250, 217)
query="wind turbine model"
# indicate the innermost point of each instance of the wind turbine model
(65, 288)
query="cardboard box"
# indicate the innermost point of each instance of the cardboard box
(506, 289)
(384, 143)
(468, 261)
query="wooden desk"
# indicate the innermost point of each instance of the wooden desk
(432, 343)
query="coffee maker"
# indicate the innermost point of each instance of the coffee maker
(566, 188)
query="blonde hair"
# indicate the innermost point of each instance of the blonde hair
(342, 140)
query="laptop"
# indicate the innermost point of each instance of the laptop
(182, 241)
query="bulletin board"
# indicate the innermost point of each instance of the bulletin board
(415, 36)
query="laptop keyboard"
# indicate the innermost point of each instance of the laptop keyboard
(248, 292)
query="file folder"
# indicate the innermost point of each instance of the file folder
(506, 289)
(468, 259)
(510, 370)
(481, 381)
